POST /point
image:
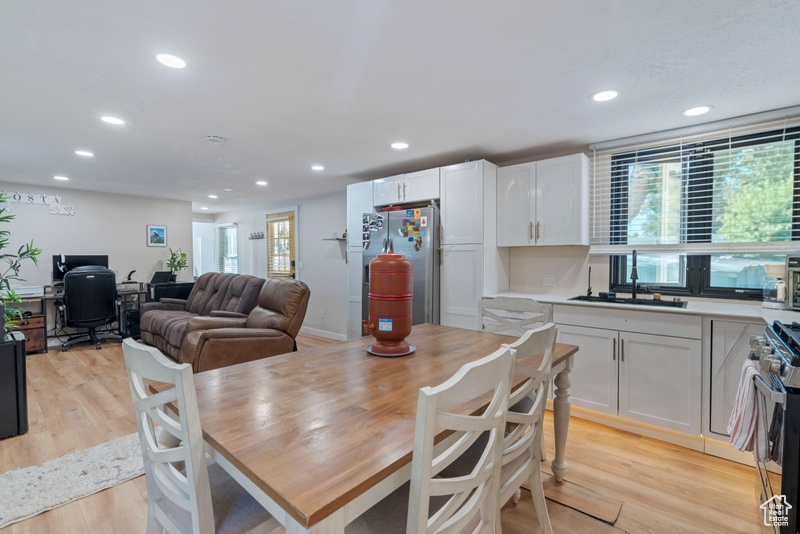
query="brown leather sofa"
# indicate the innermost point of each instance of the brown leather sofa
(163, 323)
(270, 329)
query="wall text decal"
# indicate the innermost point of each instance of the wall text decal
(57, 207)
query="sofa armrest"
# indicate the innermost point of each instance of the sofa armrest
(223, 313)
(206, 322)
(164, 304)
(221, 347)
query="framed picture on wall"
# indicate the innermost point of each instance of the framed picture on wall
(156, 235)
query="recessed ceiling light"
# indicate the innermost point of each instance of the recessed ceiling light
(317, 168)
(215, 139)
(213, 196)
(261, 182)
(62, 178)
(203, 208)
(112, 120)
(84, 153)
(228, 189)
(697, 111)
(171, 61)
(400, 146)
(602, 96)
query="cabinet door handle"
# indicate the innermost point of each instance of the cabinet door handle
(614, 350)
(530, 231)
(398, 192)
(404, 191)
(537, 231)
(622, 350)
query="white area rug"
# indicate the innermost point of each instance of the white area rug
(30, 491)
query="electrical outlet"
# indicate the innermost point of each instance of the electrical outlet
(549, 280)
(322, 314)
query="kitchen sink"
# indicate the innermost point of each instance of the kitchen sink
(636, 301)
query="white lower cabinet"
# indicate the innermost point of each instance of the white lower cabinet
(645, 377)
(730, 346)
(459, 285)
(354, 284)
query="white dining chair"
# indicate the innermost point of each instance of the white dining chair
(467, 502)
(522, 444)
(513, 316)
(184, 493)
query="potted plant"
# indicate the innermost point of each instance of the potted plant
(176, 262)
(10, 264)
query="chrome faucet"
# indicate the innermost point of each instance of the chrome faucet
(634, 275)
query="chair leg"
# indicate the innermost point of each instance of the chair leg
(539, 504)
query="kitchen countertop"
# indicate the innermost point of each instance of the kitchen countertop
(749, 310)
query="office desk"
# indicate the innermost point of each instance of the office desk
(129, 295)
(320, 435)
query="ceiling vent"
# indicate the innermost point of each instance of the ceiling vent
(215, 139)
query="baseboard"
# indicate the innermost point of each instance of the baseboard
(689, 441)
(323, 333)
(723, 449)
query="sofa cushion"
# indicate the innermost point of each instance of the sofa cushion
(164, 329)
(203, 293)
(282, 305)
(240, 295)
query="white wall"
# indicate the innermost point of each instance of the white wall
(323, 262)
(570, 265)
(203, 235)
(115, 225)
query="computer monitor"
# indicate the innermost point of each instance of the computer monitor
(70, 262)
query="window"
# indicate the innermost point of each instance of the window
(227, 255)
(705, 215)
(280, 245)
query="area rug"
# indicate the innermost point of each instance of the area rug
(30, 491)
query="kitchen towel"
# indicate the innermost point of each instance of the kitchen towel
(748, 422)
(776, 435)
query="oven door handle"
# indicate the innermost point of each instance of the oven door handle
(772, 395)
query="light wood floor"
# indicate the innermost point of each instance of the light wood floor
(80, 398)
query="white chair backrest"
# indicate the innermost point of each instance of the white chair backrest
(527, 404)
(178, 490)
(471, 499)
(513, 316)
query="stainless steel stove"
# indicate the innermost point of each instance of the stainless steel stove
(778, 353)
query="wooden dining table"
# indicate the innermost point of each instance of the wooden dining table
(320, 435)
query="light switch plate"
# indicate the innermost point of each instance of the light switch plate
(549, 280)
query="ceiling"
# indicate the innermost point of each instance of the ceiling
(292, 83)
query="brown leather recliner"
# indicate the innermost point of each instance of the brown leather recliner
(163, 324)
(270, 329)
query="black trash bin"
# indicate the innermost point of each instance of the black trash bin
(13, 389)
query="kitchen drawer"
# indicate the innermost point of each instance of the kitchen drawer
(33, 329)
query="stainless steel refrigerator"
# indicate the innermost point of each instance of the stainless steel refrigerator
(415, 234)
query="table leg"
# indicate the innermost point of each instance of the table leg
(561, 408)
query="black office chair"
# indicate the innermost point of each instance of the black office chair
(90, 301)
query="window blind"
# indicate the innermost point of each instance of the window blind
(227, 254)
(732, 190)
(280, 245)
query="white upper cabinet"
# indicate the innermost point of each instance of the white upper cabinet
(544, 202)
(462, 215)
(421, 185)
(359, 202)
(417, 186)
